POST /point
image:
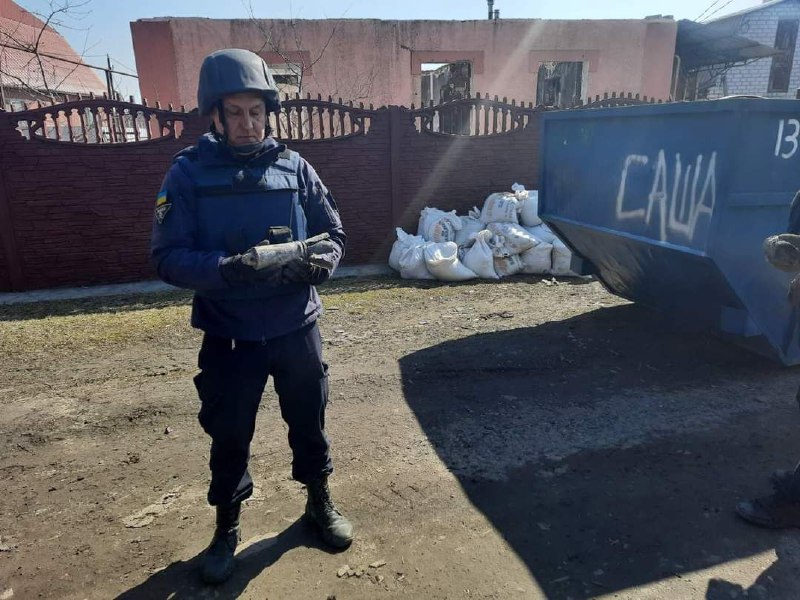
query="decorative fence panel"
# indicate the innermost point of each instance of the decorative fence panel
(78, 180)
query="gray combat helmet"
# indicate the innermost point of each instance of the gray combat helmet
(233, 71)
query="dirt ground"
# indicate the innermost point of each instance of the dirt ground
(519, 439)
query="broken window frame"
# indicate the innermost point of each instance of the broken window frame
(780, 71)
(287, 71)
(558, 101)
(436, 93)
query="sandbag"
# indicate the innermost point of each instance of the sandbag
(479, 258)
(403, 242)
(517, 239)
(529, 209)
(498, 245)
(412, 263)
(510, 265)
(537, 260)
(543, 233)
(438, 226)
(470, 225)
(562, 260)
(442, 262)
(500, 208)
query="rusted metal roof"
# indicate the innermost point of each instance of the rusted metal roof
(21, 69)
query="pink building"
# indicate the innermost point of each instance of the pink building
(23, 78)
(405, 62)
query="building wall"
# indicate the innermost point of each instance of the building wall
(379, 61)
(760, 26)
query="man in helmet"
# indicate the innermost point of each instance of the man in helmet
(238, 188)
(781, 509)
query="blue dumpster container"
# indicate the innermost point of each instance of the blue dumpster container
(668, 206)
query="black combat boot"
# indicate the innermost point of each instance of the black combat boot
(218, 561)
(332, 527)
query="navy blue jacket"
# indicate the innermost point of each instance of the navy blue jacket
(214, 204)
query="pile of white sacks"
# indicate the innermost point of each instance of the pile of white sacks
(506, 237)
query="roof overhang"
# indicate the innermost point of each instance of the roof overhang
(706, 44)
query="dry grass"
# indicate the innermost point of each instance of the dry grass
(96, 323)
(69, 326)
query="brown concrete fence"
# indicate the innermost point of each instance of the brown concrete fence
(78, 181)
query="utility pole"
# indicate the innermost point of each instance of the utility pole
(110, 79)
(2, 85)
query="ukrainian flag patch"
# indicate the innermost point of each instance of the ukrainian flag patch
(162, 206)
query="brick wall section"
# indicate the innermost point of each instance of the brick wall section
(761, 26)
(81, 215)
(357, 172)
(457, 173)
(5, 278)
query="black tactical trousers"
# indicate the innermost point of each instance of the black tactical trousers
(230, 384)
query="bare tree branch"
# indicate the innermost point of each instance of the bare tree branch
(58, 15)
(352, 87)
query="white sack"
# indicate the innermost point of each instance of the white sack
(529, 209)
(500, 208)
(511, 265)
(438, 226)
(538, 260)
(470, 225)
(479, 258)
(403, 242)
(517, 239)
(562, 260)
(442, 262)
(542, 232)
(498, 245)
(412, 263)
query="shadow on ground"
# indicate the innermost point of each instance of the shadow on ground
(778, 582)
(181, 580)
(550, 433)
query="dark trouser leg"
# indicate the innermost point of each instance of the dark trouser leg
(230, 386)
(792, 488)
(301, 382)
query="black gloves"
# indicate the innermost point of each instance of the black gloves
(319, 258)
(316, 266)
(236, 273)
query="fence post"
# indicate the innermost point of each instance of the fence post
(395, 152)
(16, 279)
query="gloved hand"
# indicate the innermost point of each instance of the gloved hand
(237, 274)
(313, 267)
(300, 271)
(783, 252)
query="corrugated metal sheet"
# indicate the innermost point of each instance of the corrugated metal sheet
(701, 45)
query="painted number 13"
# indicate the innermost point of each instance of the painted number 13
(787, 141)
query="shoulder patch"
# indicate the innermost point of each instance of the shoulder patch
(162, 206)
